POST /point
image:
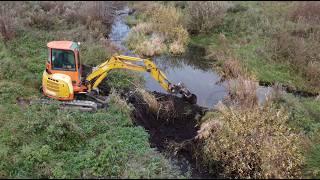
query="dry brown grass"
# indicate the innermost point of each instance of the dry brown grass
(150, 99)
(242, 92)
(202, 16)
(301, 53)
(162, 31)
(232, 68)
(251, 143)
(151, 47)
(7, 21)
(308, 11)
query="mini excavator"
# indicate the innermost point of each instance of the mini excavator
(63, 79)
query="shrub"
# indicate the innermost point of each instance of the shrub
(7, 21)
(165, 19)
(38, 18)
(93, 54)
(251, 143)
(299, 53)
(203, 16)
(306, 11)
(134, 39)
(47, 5)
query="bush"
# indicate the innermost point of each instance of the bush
(7, 22)
(300, 53)
(96, 53)
(306, 11)
(203, 16)
(251, 143)
(165, 20)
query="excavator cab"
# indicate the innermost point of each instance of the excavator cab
(62, 76)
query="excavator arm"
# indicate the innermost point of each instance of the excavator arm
(137, 64)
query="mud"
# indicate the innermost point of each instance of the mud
(172, 128)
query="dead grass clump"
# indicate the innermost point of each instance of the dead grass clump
(242, 92)
(232, 68)
(251, 143)
(149, 99)
(202, 16)
(220, 53)
(176, 48)
(145, 28)
(151, 47)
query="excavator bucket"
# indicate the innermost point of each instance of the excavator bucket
(186, 94)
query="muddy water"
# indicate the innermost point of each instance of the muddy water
(196, 73)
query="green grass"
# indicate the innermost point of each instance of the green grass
(251, 26)
(313, 160)
(46, 142)
(304, 113)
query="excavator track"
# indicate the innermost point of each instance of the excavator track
(82, 105)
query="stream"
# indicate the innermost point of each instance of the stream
(191, 68)
(197, 75)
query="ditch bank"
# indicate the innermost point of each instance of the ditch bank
(172, 128)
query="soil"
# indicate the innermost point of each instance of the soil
(172, 128)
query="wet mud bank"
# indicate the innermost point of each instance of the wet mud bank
(172, 128)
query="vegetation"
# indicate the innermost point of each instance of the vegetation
(160, 30)
(251, 143)
(272, 40)
(248, 42)
(39, 141)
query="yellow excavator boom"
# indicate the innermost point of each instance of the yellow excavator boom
(137, 64)
(127, 62)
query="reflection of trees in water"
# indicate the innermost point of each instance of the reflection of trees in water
(193, 57)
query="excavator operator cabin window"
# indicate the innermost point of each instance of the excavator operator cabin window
(63, 60)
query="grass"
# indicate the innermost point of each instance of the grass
(250, 44)
(45, 142)
(304, 113)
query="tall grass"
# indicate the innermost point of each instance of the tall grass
(161, 30)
